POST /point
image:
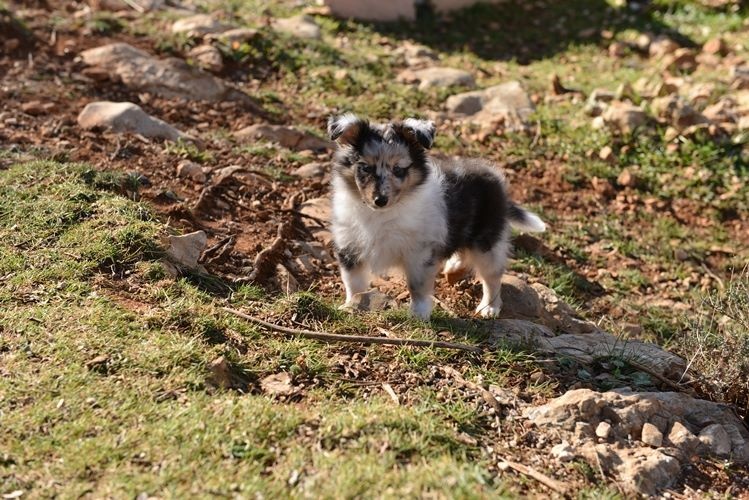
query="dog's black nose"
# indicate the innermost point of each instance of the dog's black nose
(380, 200)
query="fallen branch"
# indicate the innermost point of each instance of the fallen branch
(358, 339)
(542, 478)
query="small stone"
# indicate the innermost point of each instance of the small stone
(682, 60)
(716, 439)
(643, 41)
(617, 49)
(311, 170)
(682, 438)
(207, 57)
(190, 170)
(287, 137)
(606, 153)
(603, 430)
(126, 117)
(286, 280)
(624, 117)
(302, 26)
(715, 46)
(36, 108)
(563, 452)
(670, 134)
(198, 25)
(661, 46)
(279, 384)
(438, 77)
(627, 179)
(651, 435)
(632, 329)
(237, 35)
(372, 300)
(186, 249)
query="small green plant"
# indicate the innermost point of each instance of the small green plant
(189, 150)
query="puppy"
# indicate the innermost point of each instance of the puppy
(395, 206)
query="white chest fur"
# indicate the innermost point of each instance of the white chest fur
(386, 238)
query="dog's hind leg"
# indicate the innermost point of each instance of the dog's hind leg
(490, 266)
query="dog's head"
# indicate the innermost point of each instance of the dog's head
(383, 163)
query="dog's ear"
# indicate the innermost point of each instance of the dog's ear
(421, 131)
(347, 128)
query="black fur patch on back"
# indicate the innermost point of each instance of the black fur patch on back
(477, 205)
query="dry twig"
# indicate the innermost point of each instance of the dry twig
(359, 339)
(542, 478)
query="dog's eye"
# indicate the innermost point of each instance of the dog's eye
(366, 168)
(400, 171)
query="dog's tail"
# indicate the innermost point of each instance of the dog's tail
(525, 220)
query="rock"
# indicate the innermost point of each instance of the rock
(623, 417)
(185, 250)
(681, 61)
(302, 26)
(373, 10)
(716, 439)
(606, 154)
(641, 471)
(279, 384)
(506, 104)
(675, 111)
(563, 452)
(287, 137)
(743, 123)
(715, 46)
(286, 280)
(198, 25)
(126, 117)
(320, 209)
(559, 316)
(416, 55)
(651, 435)
(438, 77)
(311, 170)
(191, 170)
(643, 41)
(519, 300)
(618, 49)
(207, 57)
(624, 117)
(236, 35)
(701, 94)
(372, 300)
(627, 179)
(603, 430)
(598, 101)
(662, 46)
(170, 78)
(740, 77)
(38, 108)
(682, 438)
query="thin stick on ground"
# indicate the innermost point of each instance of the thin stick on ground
(542, 478)
(357, 339)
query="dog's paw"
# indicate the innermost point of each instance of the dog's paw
(422, 309)
(489, 310)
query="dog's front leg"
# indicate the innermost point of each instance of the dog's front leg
(355, 280)
(421, 272)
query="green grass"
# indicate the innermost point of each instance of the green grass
(106, 390)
